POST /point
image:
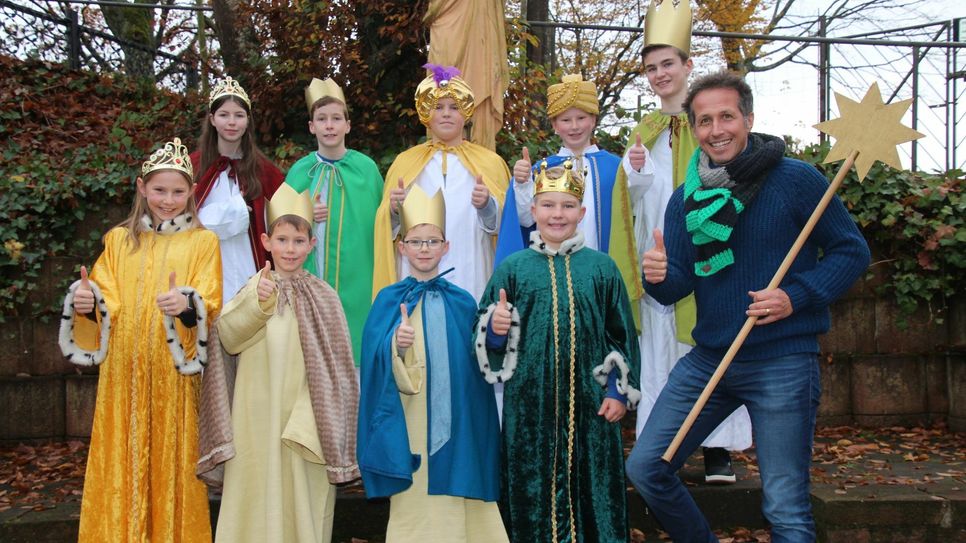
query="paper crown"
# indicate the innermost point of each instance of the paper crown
(668, 22)
(228, 87)
(560, 179)
(286, 201)
(418, 208)
(572, 91)
(172, 156)
(443, 82)
(319, 89)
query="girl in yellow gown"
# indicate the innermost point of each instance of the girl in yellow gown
(150, 333)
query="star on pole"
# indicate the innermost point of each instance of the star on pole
(871, 129)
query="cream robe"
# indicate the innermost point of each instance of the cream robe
(650, 190)
(276, 487)
(414, 515)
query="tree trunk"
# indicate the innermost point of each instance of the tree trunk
(539, 10)
(135, 25)
(236, 38)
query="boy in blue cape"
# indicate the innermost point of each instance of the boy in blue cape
(428, 431)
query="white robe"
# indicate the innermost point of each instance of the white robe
(650, 191)
(471, 237)
(225, 213)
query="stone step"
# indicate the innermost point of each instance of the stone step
(876, 513)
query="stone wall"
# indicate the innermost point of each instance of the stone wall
(873, 372)
(877, 373)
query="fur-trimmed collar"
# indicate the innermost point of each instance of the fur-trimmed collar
(567, 247)
(182, 222)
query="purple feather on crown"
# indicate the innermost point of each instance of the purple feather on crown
(442, 74)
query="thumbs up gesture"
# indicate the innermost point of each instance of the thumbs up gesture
(397, 195)
(172, 302)
(500, 322)
(481, 194)
(320, 211)
(405, 333)
(84, 296)
(654, 262)
(265, 286)
(521, 169)
(637, 154)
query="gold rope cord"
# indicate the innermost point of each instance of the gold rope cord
(556, 398)
(570, 421)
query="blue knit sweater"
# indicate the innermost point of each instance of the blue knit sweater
(763, 235)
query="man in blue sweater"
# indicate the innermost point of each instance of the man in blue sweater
(727, 230)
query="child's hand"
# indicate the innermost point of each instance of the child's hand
(172, 302)
(612, 410)
(320, 211)
(265, 286)
(396, 196)
(637, 155)
(405, 333)
(521, 169)
(481, 194)
(654, 262)
(500, 322)
(84, 296)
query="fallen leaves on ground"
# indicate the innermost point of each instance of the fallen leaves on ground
(39, 477)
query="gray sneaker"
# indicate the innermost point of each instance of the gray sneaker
(717, 466)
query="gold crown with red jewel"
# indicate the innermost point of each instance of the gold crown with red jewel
(172, 156)
(559, 179)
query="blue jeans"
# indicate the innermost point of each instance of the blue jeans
(782, 396)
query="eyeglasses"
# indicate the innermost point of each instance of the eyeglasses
(418, 244)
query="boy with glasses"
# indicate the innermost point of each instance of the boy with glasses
(428, 431)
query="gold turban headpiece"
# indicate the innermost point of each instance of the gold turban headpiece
(418, 208)
(444, 82)
(171, 156)
(228, 87)
(319, 89)
(668, 22)
(560, 179)
(572, 91)
(286, 201)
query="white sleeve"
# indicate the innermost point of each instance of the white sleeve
(638, 182)
(524, 198)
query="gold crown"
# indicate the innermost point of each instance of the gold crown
(429, 93)
(171, 156)
(668, 22)
(319, 89)
(228, 87)
(286, 201)
(560, 179)
(418, 208)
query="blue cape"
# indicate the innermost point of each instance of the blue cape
(468, 465)
(602, 164)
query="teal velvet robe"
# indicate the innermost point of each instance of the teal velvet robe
(561, 460)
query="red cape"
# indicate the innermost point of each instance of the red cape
(269, 176)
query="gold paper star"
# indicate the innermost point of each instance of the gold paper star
(870, 128)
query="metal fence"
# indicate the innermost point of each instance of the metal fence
(924, 62)
(26, 32)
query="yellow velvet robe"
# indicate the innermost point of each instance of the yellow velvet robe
(140, 484)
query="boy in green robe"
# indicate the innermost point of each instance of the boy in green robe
(346, 189)
(556, 327)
